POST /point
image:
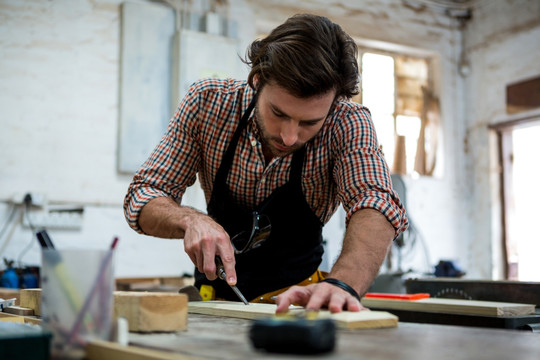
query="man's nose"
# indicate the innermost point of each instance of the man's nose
(289, 132)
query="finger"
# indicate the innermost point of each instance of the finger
(208, 262)
(192, 247)
(192, 255)
(337, 303)
(198, 263)
(354, 305)
(320, 297)
(226, 253)
(344, 301)
(294, 295)
(283, 304)
(192, 258)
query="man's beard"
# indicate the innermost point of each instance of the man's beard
(269, 141)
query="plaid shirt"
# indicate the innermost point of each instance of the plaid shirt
(343, 163)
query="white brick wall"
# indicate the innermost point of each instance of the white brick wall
(59, 79)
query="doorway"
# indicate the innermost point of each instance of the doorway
(519, 144)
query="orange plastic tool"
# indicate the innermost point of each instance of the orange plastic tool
(416, 296)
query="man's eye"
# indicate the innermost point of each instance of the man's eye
(278, 114)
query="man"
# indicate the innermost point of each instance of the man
(275, 156)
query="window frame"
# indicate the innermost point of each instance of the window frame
(430, 82)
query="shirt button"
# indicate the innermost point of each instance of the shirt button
(253, 142)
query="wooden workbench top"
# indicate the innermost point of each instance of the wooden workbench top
(214, 337)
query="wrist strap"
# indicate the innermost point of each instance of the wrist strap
(342, 285)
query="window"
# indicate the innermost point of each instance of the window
(396, 90)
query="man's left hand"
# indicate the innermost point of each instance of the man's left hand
(317, 296)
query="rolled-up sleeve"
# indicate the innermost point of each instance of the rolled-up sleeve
(362, 174)
(171, 167)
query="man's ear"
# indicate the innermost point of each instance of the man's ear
(256, 81)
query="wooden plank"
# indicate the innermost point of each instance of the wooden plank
(31, 298)
(99, 350)
(151, 311)
(14, 318)
(21, 319)
(452, 306)
(346, 319)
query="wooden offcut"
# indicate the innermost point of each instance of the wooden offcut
(99, 350)
(19, 310)
(345, 319)
(452, 306)
(31, 298)
(145, 311)
(151, 311)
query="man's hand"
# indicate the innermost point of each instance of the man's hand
(317, 296)
(368, 236)
(204, 239)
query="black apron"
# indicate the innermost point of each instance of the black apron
(294, 248)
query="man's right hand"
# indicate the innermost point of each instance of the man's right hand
(204, 238)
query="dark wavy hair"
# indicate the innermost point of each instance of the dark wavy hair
(307, 55)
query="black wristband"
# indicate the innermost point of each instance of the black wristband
(342, 285)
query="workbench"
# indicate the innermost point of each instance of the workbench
(215, 337)
(209, 335)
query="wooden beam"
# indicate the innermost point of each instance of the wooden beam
(523, 96)
(346, 319)
(151, 311)
(452, 306)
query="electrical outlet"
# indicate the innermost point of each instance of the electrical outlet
(69, 220)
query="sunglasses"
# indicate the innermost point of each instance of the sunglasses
(248, 240)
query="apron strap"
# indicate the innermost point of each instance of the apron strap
(223, 171)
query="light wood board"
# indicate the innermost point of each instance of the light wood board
(346, 319)
(452, 306)
(20, 319)
(99, 350)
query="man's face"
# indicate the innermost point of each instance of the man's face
(287, 122)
